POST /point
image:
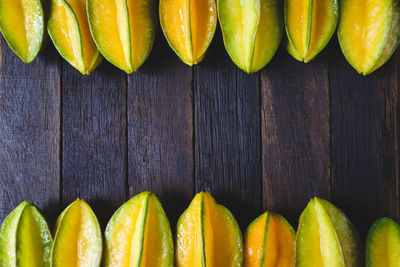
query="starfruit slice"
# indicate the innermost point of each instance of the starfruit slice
(139, 234)
(78, 240)
(189, 27)
(69, 29)
(269, 242)
(123, 30)
(310, 25)
(369, 32)
(208, 235)
(25, 239)
(383, 244)
(252, 31)
(326, 237)
(22, 25)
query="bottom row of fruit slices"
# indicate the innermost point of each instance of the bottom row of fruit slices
(139, 234)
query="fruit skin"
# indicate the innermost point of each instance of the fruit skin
(386, 45)
(266, 30)
(83, 54)
(264, 256)
(332, 7)
(118, 229)
(391, 244)
(190, 58)
(77, 231)
(203, 227)
(102, 42)
(340, 244)
(9, 29)
(25, 239)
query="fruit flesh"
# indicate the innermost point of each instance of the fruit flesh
(139, 234)
(383, 244)
(69, 30)
(269, 242)
(21, 22)
(123, 30)
(208, 235)
(364, 31)
(189, 27)
(25, 239)
(78, 238)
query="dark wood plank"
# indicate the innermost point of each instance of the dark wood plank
(228, 134)
(94, 138)
(364, 141)
(160, 130)
(29, 131)
(295, 133)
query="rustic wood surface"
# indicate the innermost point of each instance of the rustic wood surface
(270, 140)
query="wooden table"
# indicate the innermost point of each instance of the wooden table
(270, 140)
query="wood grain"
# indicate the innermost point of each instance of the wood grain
(94, 138)
(364, 141)
(29, 131)
(160, 130)
(295, 133)
(228, 134)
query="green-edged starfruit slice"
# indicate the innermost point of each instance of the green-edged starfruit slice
(139, 234)
(22, 25)
(189, 27)
(69, 29)
(269, 242)
(383, 244)
(78, 240)
(208, 235)
(25, 239)
(310, 25)
(368, 32)
(252, 31)
(123, 30)
(326, 237)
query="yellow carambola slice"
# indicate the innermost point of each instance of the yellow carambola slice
(269, 242)
(326, 237)
(189, 27)
(78, 240)
(139, 234)
(22, 25)
(69, 29)
(25, 239)
(252, 31)
(310, 25)
(383, 244)
(208, 235)
(368, 32)
(123, 30)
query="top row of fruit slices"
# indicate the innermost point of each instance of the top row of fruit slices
(123, 31)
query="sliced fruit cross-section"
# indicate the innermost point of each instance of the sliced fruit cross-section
(383, 244)
(22, 25)
(326, 237)
(139, 234)
(369, 32)
(310, 25)
(123, 30)
(69, 29)
(189, 26)
(78, 240)
(208, 235)
(252, 31)
(269, 242)
(25, 239)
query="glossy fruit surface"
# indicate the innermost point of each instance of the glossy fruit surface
(25, 239)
